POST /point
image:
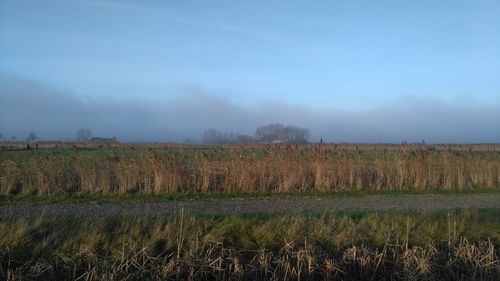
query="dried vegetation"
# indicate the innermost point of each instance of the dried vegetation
(174, 169)
(326, 247)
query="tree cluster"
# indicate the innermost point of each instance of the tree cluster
(83, 135)
(214, 136)
(31, 137)
(272, 133)
(278, 133)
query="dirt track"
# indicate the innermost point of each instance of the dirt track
(254, 206)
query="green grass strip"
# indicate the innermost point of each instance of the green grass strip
(121, 198)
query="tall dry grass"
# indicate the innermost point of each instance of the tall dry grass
(257, 168)
(461, 261)
(329, 247)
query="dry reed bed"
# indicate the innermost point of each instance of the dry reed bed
(253, 168)
(458, 261)
(378, 246)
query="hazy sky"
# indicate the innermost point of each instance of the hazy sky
(362, 71)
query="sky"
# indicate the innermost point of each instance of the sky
(351, 71)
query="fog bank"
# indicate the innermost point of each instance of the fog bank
(53, 113)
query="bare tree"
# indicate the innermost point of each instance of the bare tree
(244, 139)
(278, 133)
(210, 136)
(83, 135)
(270, 133)
(31, 137)
(214, 136)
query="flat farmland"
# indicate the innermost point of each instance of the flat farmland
(249, 212)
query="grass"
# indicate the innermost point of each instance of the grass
(430, 245)
(459, 244)
(237, 169)
(122, 198)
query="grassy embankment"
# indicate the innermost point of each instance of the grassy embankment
(348, 246)
(171, 170)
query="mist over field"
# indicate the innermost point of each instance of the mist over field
(250, 140)
(349, 71)
(55, 113)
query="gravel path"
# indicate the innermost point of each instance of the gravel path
(254, 206)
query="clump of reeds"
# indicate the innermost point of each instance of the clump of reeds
(261, 168)
(212, 261)
(377, 246)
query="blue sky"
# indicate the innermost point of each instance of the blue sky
(347, 56)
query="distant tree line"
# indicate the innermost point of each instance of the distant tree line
(278, 133)
(272, 133)
(83, 135)
(214, 136)
(31, 137)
